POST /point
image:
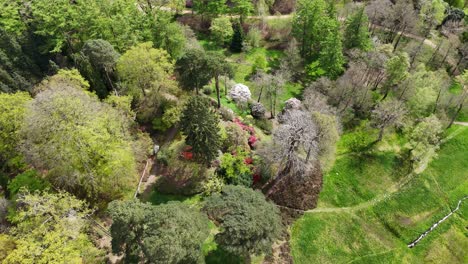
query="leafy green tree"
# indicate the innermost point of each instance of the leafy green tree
(96, 62)
(219, 66)
(397, 70)
(11, 20)
(242, 8)
(424, 139)
(200, 126)
(331, 57)
(210, 8)
(84, 145)
(357, 31)
(51, 228)
(249, 224)
(234, 169)
(12, 113)
(168, 233)
(194, 70)
(431, 14)
(63, 24)
(146, 73)
(30, 180)
(221, 30)
(169, 37)
(308, 28)
(387, 113)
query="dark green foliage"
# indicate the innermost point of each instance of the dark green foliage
(97, 61)
(168, 233)
(249, 224)
(18, 69)
(30, 180)
(200, 125)
(237, 38)
(193, 69)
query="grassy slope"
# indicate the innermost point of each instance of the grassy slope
(379, 234)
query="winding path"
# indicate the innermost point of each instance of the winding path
(391, 190)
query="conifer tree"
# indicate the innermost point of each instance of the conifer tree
(357, 31)
(200, 125)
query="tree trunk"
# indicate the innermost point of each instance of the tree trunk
(437, 100)
(109, 80)
(381, 133)
(460, 106)
(260, 94)
(417, 52)
(446, 55)
(458, 64)
(225, 85)
(434, 54)
(399, 38)
(217, 90)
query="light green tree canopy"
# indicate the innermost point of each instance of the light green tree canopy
(146, 73)
(12, 112)
(83, 145)
(51, 229)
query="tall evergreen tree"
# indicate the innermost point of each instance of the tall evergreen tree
(357, 31)
(200, 125)
(237, 38)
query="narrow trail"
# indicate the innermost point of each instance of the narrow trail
(391, 190)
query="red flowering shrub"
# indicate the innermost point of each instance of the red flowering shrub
(256, 178)
(187, 155)
(248, 160)
(252, 141)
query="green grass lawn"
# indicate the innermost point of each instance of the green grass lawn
(380, 233)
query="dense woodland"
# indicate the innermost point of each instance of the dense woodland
(233, 131)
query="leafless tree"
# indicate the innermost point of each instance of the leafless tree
(387, 113)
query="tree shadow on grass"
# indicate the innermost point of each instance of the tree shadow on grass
(219, 255)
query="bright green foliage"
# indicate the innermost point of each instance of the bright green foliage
(146, 73)
(422, 91)
(10, 18)
(210, 8)
(424, 139)
(83, 144)
(236, 138)
(249, 224)
(221, 30)
(357, 31)
(194, 70)
(317, 30)
(7, 245)
(30, 180)
(12, 112)
(62, 23)
(170, 37)
(168, 233)
(122, 24)
(63, 78)
(50, 229)
(431, 14)
(234, 169)
(397, 68)
(242, 8)
(331, 57)
(200, 126)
